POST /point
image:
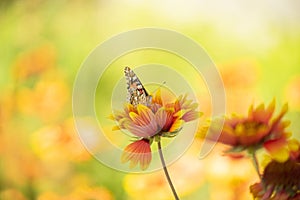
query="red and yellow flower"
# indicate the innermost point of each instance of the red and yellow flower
(259, 129)
(148, 123)
(280, 180)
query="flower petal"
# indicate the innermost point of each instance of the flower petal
(140, 131)
(115, 128)
(145, 115)
(191, 115)
(278, 149)
(137, 152)
(293, 145)
(111, 117)
(161, 117)
(137, 119)
(177, 125)
(157, 98)
(129, 108)
(257, 190)
(180, 113)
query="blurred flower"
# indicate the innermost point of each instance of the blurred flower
(154, 185)
(282, 149)
(252, 132)
(146, 123)
(79, 187)
(239, 73)
(240, 80)
(12, 194)
(82, 193)
(22, 167)
(292, 93)
(57, 147)
(280, 180)
(227, 176)
(34, 62)
(46, 94)
(56, 143)
(97, 193)
(46, 100)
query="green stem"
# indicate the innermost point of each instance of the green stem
(255, 163)
(166, 170)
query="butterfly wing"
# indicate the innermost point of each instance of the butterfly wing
(136, 93)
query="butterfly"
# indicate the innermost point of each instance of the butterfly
(136, 93)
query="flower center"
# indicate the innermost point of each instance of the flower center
(248, 128)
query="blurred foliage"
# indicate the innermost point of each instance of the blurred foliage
(255, 45)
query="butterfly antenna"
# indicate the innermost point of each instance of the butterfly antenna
(163, 83)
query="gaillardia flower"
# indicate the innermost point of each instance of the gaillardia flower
(148, 123)
(259, 129)
(280, 180)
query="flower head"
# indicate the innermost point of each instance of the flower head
(34, 62)
(252, 131)
(149, 122)
(280, 180)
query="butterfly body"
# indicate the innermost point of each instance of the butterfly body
(136, 93)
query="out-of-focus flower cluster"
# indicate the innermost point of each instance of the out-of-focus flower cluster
(39, 147)
(262, 129)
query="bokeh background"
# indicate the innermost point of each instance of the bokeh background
(255, 45)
